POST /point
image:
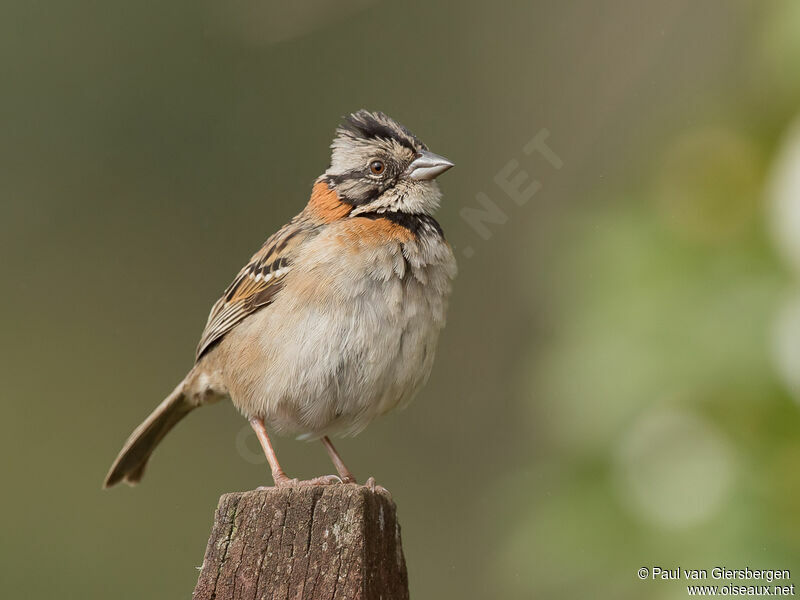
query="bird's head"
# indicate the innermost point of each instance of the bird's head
(377, 165)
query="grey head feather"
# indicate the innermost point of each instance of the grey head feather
(366, 125)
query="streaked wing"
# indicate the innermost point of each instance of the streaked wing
(256, 284)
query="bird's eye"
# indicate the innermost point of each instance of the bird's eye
(377, 167)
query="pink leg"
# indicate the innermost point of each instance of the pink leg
(344, 472)
(279, 477)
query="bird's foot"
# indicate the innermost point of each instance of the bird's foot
(293, 482)
(285, 481)
(374, 487)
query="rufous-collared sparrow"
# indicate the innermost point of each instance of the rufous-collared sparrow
(335, 320)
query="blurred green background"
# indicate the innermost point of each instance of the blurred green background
(617, 385)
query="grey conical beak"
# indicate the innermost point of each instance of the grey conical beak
(427, 166)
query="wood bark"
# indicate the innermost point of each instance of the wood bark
(333, 542)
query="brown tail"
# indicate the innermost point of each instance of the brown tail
(132, 459)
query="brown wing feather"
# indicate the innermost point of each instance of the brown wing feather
(256, 284)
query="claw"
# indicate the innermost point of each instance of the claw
(374, 487)
(324, 480)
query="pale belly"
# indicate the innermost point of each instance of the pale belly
(330, 363)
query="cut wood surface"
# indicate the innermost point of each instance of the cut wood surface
(333, 542)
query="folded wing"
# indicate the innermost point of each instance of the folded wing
(256, 285)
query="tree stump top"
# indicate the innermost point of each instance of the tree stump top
(333, 542)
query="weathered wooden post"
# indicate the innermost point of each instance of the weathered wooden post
(333, 542)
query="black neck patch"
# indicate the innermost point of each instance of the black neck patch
(417, 224)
